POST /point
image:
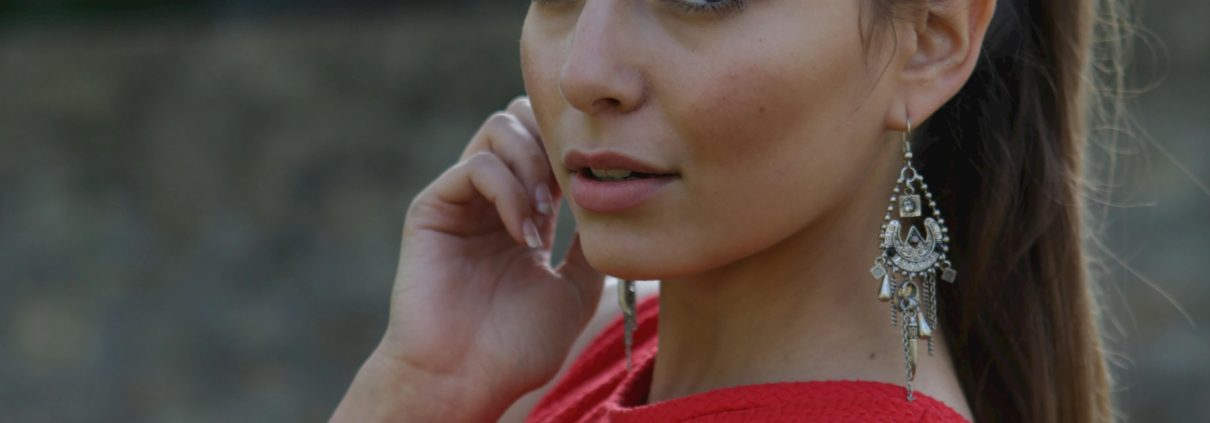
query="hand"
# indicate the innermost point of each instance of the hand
(476, 309)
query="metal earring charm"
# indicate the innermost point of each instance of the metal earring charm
(907, 269)
(626, 295)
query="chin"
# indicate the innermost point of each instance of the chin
(637, 258)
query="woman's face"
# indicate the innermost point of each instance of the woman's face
(770, 117)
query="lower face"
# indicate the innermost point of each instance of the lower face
(771, 118)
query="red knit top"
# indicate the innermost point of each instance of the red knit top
(598, 388)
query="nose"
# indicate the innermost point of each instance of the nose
(597, 76)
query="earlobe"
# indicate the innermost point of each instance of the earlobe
(944, 53)
(898, 116)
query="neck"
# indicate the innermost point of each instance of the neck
(804, 309)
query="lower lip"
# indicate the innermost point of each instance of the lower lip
(614, 196)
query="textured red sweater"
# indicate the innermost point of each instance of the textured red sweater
(598, 388)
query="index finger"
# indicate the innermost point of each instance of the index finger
(524, 111)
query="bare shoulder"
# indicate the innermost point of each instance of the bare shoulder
(607, 311)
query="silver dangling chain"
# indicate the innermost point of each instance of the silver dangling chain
(626, 294)
(930, 289)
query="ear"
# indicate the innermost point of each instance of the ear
(937, 56)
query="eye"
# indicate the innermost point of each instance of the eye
(553, 4)
(690, 7)
(708, 7)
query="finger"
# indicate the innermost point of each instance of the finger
(547, 224)
(504, 135)
(479, 141)
(522, 108)
(575, 268)
(485, 175)
(523, 153)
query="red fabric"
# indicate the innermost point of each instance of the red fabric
(598, 388)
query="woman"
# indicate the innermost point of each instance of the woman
(742, 152)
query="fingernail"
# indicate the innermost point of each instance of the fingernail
(543, 198)
(532, 239)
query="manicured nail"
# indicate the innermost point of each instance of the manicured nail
(532, 239)
(543, 198)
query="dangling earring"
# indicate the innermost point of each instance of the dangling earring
(904, 266)
(626, 300)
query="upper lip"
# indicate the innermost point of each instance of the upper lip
(575, 160)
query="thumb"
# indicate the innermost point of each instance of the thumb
(575, 268)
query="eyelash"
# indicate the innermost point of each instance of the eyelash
(718, 8)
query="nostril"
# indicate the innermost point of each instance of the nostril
(605, 104)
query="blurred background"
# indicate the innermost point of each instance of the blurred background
(200, 200)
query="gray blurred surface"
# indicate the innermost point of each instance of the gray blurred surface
(199, 218)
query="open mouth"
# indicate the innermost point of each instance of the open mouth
(615, 190)
(615, 175)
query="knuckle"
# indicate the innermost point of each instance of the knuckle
(508, 123)
(481, 160)
(498, 120)
(415, 203)
(519, 102)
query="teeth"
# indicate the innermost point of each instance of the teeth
(610, 174)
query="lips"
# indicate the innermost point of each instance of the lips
(614, 195)
(576, 160)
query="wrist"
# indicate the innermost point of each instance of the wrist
(389, 389)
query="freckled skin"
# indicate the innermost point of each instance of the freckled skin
(772, 116)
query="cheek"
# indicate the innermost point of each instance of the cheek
(767, 141)
(539, 71)
(740, 111)
(766, 129)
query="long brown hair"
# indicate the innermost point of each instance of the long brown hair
(1006, 155)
